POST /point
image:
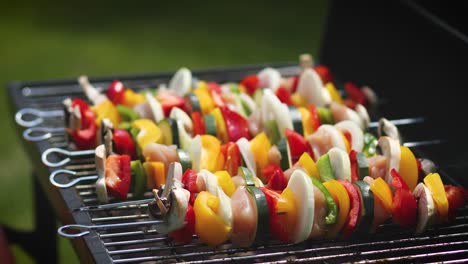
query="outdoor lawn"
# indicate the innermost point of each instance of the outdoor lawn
(63, 40)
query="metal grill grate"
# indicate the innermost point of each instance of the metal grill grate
(128, 245)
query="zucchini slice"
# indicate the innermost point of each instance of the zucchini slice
(192, 103)
(296, 119)
(283, 148)
(210, 124)
(248, 176)
(184, 159)
(170, 131)
(263, 214)
(367, 209)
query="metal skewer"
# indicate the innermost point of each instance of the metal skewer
(41, 133)
(113, 205)
(72, 182)
(66, 153)
(86, 229)
(37, 114)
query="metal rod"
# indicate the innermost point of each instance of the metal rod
(64, 230)
(117, 218)
(37, 115)
(423, 143)
(399, 122)
(66, 153)
(114, 205)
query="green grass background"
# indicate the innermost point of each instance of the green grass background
(52, 40)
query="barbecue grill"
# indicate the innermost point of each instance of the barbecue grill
(129, 244)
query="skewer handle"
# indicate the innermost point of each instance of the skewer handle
(69, 231)
(40, 133)
(37, 114)
(66, 153)
(72, 182)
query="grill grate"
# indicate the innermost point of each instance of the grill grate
(129, 245)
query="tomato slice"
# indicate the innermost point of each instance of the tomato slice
(118, 175)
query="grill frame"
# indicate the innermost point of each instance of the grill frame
(92, 248)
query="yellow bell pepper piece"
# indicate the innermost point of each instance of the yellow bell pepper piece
(106, 109)
(260, 145)
(334, 94)
(225, 182)
(221, 131)
(204, 96)
(408, 167)
(341, 198)
(306, 162)
(298, 100)
(306, 122)
(382, 191)
(149, 132)
(131, 98)
(155, 174)
(211, 156)
(286, 208)
(209, 226)
(435, 185)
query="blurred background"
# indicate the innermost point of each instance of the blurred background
(62, 39)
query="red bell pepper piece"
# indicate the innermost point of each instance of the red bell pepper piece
(85, 138)
(189, 179)
(314, 117)
(123, 143)
(118, 175)
(284, 95)
(276, 227)
(297, 145)
(457, 197)
(403, 203)
(354, 165)
(116, 92)
(236, 125)
(275, 177)
(324, 73)
(233, 161)
(198, 124)
(354, 93)
(295, 81)
(184, 235)
(354, 211)
(216, 92)
(169, 101)
(250, 83)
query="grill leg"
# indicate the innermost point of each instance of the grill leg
(41, 243)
